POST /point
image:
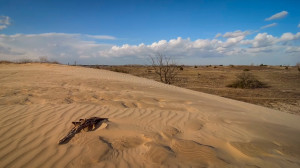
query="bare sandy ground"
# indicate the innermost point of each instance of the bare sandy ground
(150, 124)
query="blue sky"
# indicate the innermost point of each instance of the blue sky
(127, 32)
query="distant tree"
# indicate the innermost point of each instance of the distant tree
(165, 67)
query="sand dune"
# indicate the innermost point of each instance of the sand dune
(150, 124)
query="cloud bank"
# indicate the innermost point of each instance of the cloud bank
(55, 46)
(233, 44)
(277, 16)
(230, 46)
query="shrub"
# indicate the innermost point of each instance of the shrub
(246, 80)
(195, 66)
(181, 68)
(246, 69)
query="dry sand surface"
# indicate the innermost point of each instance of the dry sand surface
(150, 124)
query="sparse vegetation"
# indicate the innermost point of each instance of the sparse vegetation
(246, 69)
(246, 80)
(5, 62)
(26, 60)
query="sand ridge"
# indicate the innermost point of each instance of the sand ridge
(150, 124)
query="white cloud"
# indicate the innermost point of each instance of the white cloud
(299, 25)
(277, 16)
(289, 36)
(232, 38)
(3, 27)
(218, 35)
(102, 37)
(263, 40)
(233, 41)
(269, 25)
(4, 22)
(236, 34)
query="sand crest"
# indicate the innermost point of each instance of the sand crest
(150, 124)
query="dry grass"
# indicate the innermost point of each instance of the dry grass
(282, 93)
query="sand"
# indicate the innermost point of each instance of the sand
(150, 124)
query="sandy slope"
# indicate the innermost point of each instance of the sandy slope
(150, 124)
